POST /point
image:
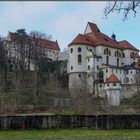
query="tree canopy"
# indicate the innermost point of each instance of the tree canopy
(21, 31)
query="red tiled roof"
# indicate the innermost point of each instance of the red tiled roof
(82, 39)
(113, 79)
(102, 39)
(126, 45)
(97, 38)
(42, 42)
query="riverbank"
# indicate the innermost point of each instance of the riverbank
(70, 134)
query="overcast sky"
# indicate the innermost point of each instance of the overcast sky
(64, 20)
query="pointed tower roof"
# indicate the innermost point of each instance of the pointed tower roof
(113, 79)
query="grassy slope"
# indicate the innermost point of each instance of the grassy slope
(70, 133)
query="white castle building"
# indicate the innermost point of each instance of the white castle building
(18, 46)
(94, 58)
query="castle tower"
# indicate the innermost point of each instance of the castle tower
(81, 61)
(113, 90)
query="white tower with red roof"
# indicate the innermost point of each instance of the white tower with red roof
(94, 57)
(113, 90)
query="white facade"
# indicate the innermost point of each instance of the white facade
(63, 56)
(95, 58)
(17, 51)
(113, 92)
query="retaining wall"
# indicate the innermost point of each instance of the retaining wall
(70, 121)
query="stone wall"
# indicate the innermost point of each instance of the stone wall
(70, 121)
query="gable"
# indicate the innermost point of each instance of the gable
(88, 29)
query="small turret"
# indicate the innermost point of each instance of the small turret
(113, 37)
(113, 90)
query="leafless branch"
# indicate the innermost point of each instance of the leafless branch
(125, 7)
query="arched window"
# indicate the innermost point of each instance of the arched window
(79, 49)
(107, 51)
(79, 59)
(117, 54)
(132, 54)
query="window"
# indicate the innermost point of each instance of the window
(107, 60)
(79, 59)
(123, 55)
(79, 49)
(116, 71)
(127, 72)
(71, 67)
(71, 50)
(106, 70)
(107, 51)
(88, 67)
(114, 84)
(79, 75)
(100, 85)
(118, 62)
(88, 59)
(131, 72)
(132, 54)
(97, 67)
(117, 54)
(127, 80)
(108, 85)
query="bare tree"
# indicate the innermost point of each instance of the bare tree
(41, 35)
(126, 7)
(3, 74)
(38, 54)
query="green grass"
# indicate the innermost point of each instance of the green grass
(70, 134)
